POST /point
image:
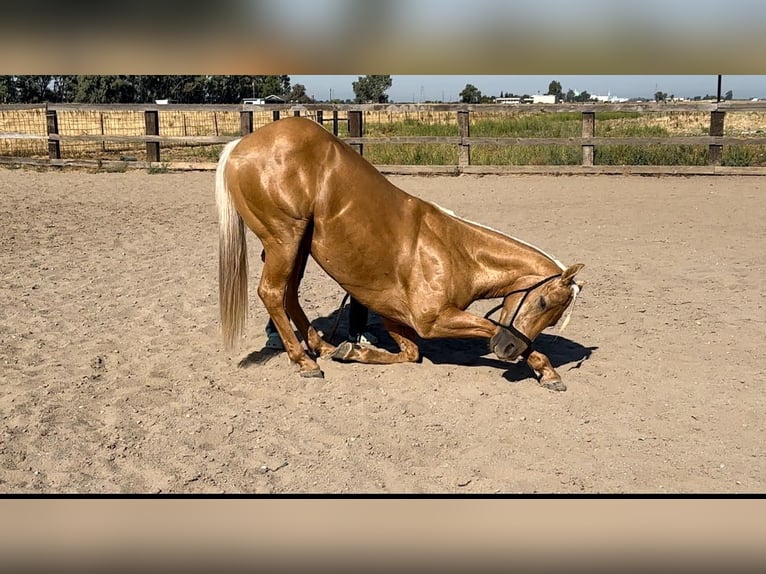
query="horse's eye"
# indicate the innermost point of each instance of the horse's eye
(543, 304)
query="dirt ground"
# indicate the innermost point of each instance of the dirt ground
(115, 380)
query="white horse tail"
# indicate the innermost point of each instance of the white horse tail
(232, 257)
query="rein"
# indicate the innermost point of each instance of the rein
(521, 336)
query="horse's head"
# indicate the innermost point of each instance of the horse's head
(534, 303)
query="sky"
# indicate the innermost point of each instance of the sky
(411, 88)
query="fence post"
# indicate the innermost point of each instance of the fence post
(275, 115)
(246, 122)
(320, 117)
(103, 132)
(355, 128)
(588, 131)
(335, 122)
(715, 151)
(464, 131)
(54, 146)
(152, 121)
(296, 113)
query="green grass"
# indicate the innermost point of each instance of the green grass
(743, 156)
(524, 125)
(411, 154)
(548, 125)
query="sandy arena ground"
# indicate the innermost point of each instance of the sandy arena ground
(114, 378)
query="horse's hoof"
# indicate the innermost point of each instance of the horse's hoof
(315, 374)
(342, 351)
(554, 385)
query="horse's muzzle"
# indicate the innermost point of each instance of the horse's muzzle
(506, 345)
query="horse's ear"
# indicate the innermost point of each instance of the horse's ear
(568, 275)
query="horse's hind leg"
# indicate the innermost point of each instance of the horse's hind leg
(402, 335)
(278, 277)
(314, 341)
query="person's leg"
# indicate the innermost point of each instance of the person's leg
(357, 324)
(273, 341)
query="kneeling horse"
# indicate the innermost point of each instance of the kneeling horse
(303, 192)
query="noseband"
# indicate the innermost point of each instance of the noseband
(518, 334)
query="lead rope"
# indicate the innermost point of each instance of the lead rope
(337, 318)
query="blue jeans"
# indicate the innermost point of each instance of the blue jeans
(358, 316)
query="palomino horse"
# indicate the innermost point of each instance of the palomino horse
(303, 191)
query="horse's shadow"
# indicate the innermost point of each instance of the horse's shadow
(471, 352)
(467, 352)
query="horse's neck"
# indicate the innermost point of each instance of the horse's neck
(500, 260)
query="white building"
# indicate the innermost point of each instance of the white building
(544, 99)
(609, 98)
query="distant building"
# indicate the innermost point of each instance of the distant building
(609, 98)
(511, 101)
(544, 99)
(270, 99)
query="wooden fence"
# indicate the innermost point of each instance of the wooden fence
(352, 118)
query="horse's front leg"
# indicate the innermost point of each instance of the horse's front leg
(548, 377)
(457, 323)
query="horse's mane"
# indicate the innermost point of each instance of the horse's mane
(451, 213)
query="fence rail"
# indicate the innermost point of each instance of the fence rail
(146, 119)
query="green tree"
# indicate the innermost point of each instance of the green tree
(660, 96)
(298, 94)
(272, 85)
(63, 88)
(7, 89)
(728, 95)
(371, 89)
(570, 97)
(32, 89)
(104, 90)
(554, 89)
(233, 89)
(470, 94)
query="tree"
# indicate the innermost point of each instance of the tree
(233, 89)
(272, 85)
(470, 94)
(104, 90)
(63, 88)
(142, 89)
(7, 89)
(298, 94)
(32, 89)
(371, 89)
(570, 97)
(554, 89)
(660, 96)
(728, 95)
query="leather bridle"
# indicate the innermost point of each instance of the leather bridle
(518, 334)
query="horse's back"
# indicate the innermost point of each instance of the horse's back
(294, 164)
